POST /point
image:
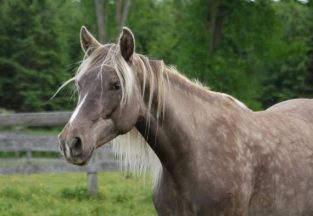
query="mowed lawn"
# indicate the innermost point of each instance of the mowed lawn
(65, 194)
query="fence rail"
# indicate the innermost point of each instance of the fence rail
(35, 119)
(23, 142)
(103, 158)
(41, 165)
(15, 142)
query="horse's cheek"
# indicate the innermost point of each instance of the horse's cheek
(127, 117)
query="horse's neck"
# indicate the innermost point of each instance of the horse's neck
(191, 115)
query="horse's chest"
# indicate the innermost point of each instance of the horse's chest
(198, 198)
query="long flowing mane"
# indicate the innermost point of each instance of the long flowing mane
(131, 149)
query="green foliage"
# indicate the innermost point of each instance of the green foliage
(65, 194)
(258, 51)
(33, 54)
(288, 74)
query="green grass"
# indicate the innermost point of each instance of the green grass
(65, 194)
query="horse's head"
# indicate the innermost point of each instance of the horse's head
(108, 102)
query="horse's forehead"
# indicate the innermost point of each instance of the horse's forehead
(96, 64)
(85, 76)
(95, 75)
(102, 52)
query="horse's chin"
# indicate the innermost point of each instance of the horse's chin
(80, 161)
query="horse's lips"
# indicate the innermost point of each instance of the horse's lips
(80, 161)
(77, 162)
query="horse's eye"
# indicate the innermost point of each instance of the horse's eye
(116, 86)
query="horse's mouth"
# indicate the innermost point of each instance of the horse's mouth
(79, 160)
(79, 163)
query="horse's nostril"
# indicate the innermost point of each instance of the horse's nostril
(76, 143)
(76, 146)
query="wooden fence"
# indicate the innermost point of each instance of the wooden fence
(29, 145)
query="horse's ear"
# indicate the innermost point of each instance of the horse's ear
(87, 41)
(127, 44)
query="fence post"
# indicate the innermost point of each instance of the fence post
(17, 153)
(92, 183)
(29, 155)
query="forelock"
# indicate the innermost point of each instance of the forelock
(109, 55)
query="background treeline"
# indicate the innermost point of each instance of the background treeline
(259, 51)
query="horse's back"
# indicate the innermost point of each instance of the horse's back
(302, 108)
(285, 173)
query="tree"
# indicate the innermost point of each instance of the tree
(121, 12)
(287, 75)
(99, 8)
(258, 51)
(34, 55)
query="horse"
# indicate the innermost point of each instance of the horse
(208, 153)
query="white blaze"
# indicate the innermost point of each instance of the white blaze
(75, 113)
(67, 151)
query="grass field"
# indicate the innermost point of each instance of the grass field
(65, 194)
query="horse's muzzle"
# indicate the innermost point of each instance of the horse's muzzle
(72, 150)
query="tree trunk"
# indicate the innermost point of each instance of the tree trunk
(99, 8)
(125, 13)
(213, 26)
(121, 12)
(118, 12)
